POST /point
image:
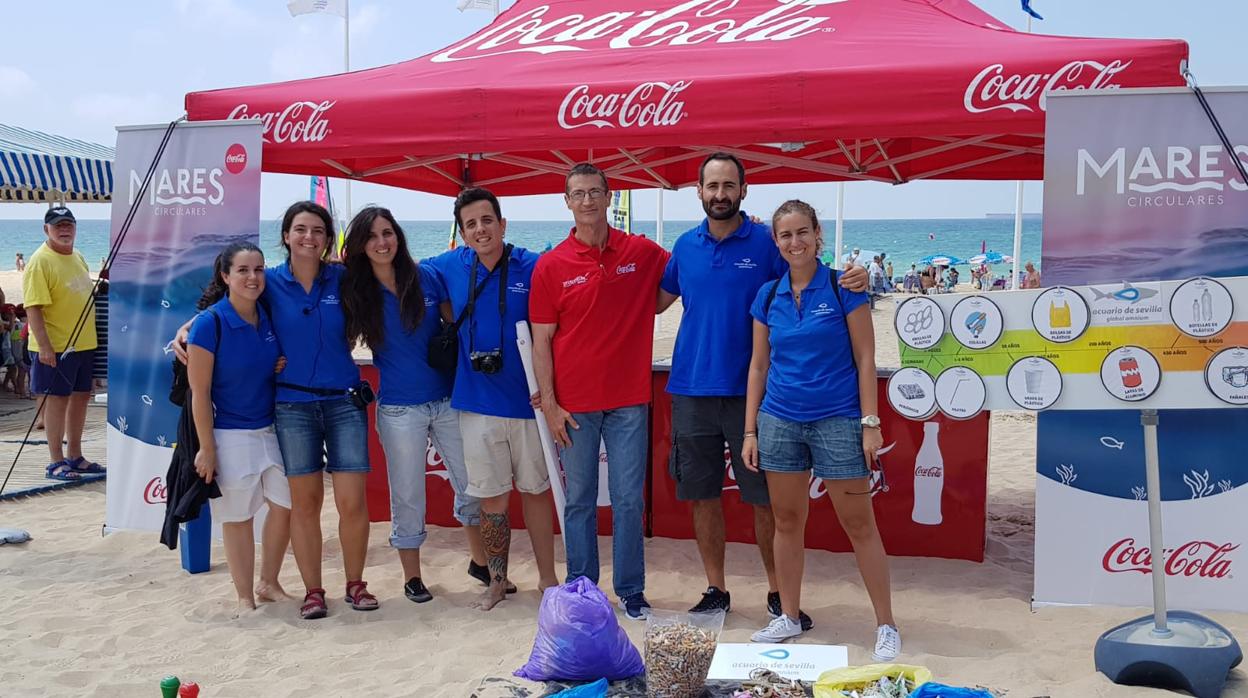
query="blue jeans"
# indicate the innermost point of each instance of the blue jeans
(330, 434)
(624, 431)
(405, 431)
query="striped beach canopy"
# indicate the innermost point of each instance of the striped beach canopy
(38, 166)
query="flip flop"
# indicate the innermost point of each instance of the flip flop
(63, 471)
(83, 465)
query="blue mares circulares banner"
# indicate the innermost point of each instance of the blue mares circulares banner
(1143, 199)
(204, 193)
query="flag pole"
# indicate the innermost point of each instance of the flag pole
(346, 68)
(1018, 220)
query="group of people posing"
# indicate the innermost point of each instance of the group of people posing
(774, 356)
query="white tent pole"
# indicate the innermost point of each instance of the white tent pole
(1018, 234)
(658, 229)
(658, 237)
(346, 68)
(1018, 221)
(840, 221)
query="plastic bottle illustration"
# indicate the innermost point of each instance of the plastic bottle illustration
(1195, 311)
(929, 478)
(1206, 306)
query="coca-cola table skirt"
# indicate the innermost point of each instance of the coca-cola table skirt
(950, 477)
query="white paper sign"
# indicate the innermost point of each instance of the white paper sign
(735, 661)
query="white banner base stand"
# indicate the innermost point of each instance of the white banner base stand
(1176, 649)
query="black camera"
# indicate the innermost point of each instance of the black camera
(488, 362)
(361, 394)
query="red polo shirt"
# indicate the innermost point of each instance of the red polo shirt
(603, 303)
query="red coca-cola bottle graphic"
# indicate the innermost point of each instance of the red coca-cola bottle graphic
(929, 478)
(1130, 370)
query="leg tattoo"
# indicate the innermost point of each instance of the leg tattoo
(496, 536)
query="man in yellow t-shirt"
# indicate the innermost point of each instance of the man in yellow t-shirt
(57, 292)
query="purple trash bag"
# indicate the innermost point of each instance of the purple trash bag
(578, 638)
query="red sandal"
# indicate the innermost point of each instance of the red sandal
(359, 598)
(314, 605)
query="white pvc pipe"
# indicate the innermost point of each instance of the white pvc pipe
(1018, 235)
(524, 341)
(1152, 480)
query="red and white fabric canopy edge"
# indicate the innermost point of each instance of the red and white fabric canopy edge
(802, 90)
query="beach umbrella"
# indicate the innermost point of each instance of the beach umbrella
(864, 256)
(990, 257)
(940, 260)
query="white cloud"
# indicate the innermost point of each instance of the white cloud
(107, 110)
(15, 82)
(221, 14)
(312, 46)
(365, 21)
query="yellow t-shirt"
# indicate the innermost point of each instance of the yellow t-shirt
(61, 286)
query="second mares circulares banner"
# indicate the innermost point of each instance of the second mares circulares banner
(204, 193)
(1146, 199)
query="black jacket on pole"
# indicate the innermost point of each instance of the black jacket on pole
(186, 491)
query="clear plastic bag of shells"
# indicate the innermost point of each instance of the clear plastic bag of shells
(678, 652)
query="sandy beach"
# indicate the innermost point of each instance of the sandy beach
(84, 614)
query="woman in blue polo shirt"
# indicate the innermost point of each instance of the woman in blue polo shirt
(811, 405)
(232, 355)
(392, 305)
(319, 426)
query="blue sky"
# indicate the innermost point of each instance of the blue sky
(80, 68)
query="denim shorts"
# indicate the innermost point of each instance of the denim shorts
(831, 446)
(330, 434)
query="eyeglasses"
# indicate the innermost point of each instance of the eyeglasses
(878, 482)
(593, 194)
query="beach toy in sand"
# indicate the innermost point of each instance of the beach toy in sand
(190, 689)
(169, 687)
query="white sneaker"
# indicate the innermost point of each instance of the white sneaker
(887, 643)
(778, 630)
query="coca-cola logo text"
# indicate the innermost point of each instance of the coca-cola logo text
(300, 122)
(154, 492)
(236, 158)
(648, 104)
(1198, 558)
(929, 471)
(993, 89)
(691, 22)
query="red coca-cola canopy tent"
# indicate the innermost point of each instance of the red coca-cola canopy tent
(803, 90)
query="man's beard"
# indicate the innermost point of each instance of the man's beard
(734, 207)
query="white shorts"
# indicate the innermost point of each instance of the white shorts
(498, 450)
(249, 471)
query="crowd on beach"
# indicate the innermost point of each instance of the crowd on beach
(774, 356)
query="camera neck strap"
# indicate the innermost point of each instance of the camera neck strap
(474, 290)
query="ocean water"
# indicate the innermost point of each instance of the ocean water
(904, 241)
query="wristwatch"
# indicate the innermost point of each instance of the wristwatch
(871, 421)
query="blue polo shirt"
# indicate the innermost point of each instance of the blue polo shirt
(506, 393)
(243, 381)
(313, 332)
(717, 281)
(403, 358)
(812, 374)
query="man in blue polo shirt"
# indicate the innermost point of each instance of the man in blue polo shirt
(717, 269)
(501, 442)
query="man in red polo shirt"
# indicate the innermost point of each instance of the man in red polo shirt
(592, 308)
